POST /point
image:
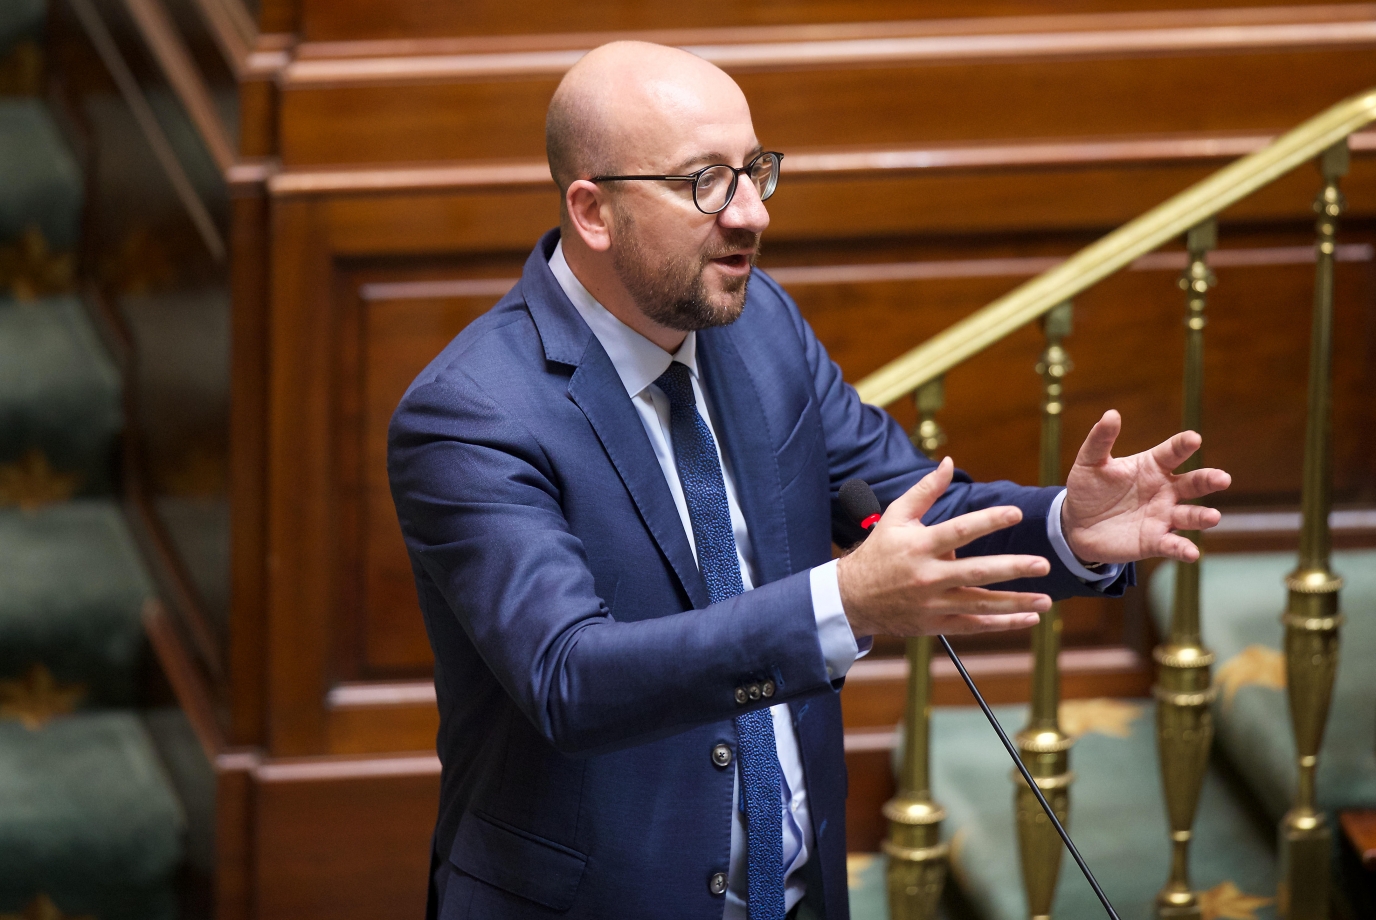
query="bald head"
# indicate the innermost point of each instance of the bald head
(627, 105)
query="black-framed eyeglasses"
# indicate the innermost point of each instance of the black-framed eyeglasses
(714, 186)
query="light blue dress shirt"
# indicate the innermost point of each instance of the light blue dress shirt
(638, 363)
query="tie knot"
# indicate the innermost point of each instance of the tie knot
(677, 384)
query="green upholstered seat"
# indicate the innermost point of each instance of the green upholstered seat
(1118, 820)
(71, 593)
(87, 818)
(1242, 598)
(40, 182)
(60, 392)
(20, 19)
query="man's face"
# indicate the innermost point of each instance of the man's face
(687, 270)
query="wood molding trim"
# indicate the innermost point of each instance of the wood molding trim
(854, 44)
(803, 164)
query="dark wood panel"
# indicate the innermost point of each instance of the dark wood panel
(959, 213)
(1256, 362)
(339, 20)
(399, 336)
(869, 775)
(333, 844)
(502, 117)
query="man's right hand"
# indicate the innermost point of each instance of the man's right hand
(905, 579)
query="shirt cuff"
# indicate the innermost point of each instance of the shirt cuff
(839, 648)
(1100, 579)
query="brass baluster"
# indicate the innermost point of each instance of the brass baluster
(1311, 618)
(917, 857)
(1044, 747)
(1184, 719)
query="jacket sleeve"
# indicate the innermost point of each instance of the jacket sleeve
(479, 504)
(864, 442)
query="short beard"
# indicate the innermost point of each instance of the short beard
(672, 292)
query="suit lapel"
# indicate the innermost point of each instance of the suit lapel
(597, 390)
(738, 416)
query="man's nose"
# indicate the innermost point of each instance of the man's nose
(746, 210)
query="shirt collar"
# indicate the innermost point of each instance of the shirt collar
(638, 361)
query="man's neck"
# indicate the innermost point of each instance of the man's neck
(594, 270)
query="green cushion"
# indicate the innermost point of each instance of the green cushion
(60, 391)
(20, 19)
(1242, 597)
(193, 780)
(86, 815)
(40, 183)
(71, 593)
(1117, 819)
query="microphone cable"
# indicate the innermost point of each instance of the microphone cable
(861, 505)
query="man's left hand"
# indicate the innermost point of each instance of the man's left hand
(1128, 508)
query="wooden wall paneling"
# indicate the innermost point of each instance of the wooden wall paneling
(849, 206)
(301, 519)
(355, 20)
(398, 337)
(234, 837)
(343, 838)
(498, 113)
(248, 481)
(1256, 352)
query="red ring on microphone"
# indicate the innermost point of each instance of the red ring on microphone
(870, 521)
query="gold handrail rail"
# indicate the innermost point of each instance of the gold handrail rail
(1097, 261)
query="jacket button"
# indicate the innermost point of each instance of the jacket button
(767, 688)
(741, 696)
(754, 690)
(721, 755)
(717, 884)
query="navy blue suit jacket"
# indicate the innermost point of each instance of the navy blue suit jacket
(582, 676)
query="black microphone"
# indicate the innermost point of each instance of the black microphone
(861, 506)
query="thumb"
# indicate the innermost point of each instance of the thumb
(917, 501)
(1098, 446)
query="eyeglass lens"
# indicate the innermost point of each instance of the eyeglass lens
(717, 185)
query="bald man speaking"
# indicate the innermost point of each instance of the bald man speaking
(618, 491)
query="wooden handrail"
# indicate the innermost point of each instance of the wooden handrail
(1097, 261)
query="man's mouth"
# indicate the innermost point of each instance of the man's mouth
(736, 262)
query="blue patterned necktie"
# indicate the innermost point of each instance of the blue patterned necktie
(695, 455)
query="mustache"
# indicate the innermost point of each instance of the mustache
(733, 242)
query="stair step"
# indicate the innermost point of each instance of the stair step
(1117, 817)
(20, 19)
(87, 818)
(40, 182)
(60, 396)
(1241, 598)
(71, 594)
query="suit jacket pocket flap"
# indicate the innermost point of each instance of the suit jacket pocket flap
(517, 861)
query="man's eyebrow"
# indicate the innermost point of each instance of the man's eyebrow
(708, 159)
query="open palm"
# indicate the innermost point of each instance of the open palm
(1121, 509)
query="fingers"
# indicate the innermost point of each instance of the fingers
(1194, 517)
(1174, 546)
(962, 624)
(984, 602)
(1198, 483)
(1098, 446)
(1176, 450)
(988, 570)
(917, 501)
(966, 528)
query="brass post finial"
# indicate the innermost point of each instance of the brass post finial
(917, 857)
(1311, 617)
(1184, 719)
(1044, 747)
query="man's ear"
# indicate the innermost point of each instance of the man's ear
(589, 215)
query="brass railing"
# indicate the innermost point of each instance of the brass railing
(1184, 725)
